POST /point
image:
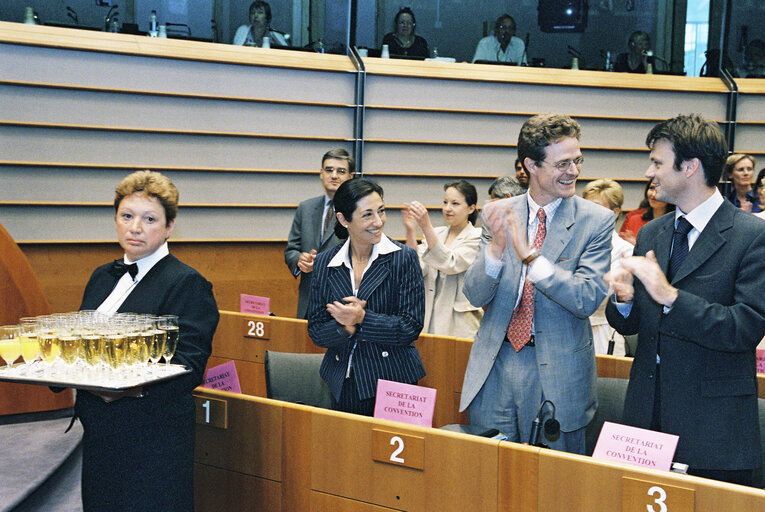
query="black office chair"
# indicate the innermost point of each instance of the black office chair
(295, 378)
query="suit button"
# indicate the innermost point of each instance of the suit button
(337, 358)
(385, 354)
(650, 375)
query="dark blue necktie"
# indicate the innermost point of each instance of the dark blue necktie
(119, 268)
(679, 246)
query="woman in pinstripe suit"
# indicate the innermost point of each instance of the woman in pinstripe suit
(367, 303)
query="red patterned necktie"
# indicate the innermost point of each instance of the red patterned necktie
(519, 330)
(327, 222)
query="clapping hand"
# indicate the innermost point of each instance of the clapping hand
(349, 314)
(419, 213)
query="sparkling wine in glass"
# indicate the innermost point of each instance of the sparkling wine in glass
(169, 324)
(10, 344)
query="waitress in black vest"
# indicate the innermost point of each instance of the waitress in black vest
(138, 446)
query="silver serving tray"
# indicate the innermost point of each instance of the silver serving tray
(39, 374)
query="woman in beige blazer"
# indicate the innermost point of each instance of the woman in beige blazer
(445, 255)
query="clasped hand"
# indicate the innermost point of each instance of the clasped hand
(646, 269)
(504, 224)
(305, 262)
(350, 314)
(415, 213)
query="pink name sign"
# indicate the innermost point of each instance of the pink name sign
(254, 305)
(636, 446)
(760, 361)
(223, 378)
(405, 402)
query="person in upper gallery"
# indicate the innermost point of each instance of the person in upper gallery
(693, 294)
(138, 445)
(502, 45)
(540, 278)
(650, 208)
(403, 41)
(636, 59)
(609, 194)
(760, 189)
(520, 174)
(505, 186)
(754, 60)
(445, 255)
(739, 169)
(259, 27)
(367, 303)
(312, 228)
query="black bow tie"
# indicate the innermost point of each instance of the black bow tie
(119, 268)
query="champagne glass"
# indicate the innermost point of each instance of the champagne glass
(169, 324)
(146, 332)
(10, 344)
(50, 346)
(30, 347)
(115, 346)
(92, 348)
(157, 347)
(132, 343)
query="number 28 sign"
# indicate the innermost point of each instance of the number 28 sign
(255, 328)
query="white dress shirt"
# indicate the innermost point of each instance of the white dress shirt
(126, 283)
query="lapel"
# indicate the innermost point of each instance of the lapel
(339, 282)
(560, 232)
(375, 275)
(708, 242)
(663, 242)
(316, 221)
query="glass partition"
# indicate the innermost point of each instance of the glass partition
(676, 36)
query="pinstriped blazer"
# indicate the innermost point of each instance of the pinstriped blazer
(393, 289)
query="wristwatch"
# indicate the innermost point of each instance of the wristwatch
(533, 254)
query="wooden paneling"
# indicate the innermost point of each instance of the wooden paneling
(21, 295)
(252, 443)
(519, 478)
(234, 491)
(323, 502)
(326, 464)
(233, 268)
(468, 472)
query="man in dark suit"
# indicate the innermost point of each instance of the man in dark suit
(697, 306)
(313, 226)
(541, 277)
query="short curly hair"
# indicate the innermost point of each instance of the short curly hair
(542, 130)
(152, 184)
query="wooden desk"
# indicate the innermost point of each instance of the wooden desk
(278, 456)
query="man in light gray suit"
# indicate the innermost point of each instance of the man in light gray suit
(541, 277)
(313, 226)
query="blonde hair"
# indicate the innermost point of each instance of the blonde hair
(152, 184)
(734, 159)
(607, 189)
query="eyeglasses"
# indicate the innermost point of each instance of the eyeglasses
(506, 27)
(565, 165)
(406, 22)
(340, 171)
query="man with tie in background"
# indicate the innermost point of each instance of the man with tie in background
(313, 226)
(697, 307)
(541, 277)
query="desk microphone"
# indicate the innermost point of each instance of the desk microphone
(552, 426)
